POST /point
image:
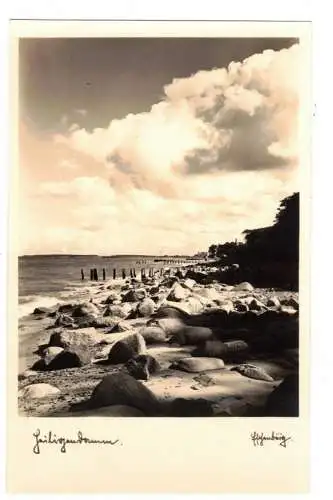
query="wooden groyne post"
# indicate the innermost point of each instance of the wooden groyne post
(114, 273)
(104, 274)
(82, 274)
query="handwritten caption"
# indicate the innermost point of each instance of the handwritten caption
(259, 438)
(52, 439)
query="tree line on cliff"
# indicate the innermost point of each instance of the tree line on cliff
(269, 256)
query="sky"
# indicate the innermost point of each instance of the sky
(153, 146)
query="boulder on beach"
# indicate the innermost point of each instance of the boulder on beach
(208, 293)
(146, 307)
(253, 371)
(210, 348)
(169, 281)
(243, 287)
(288, 311)
(106, 322)
(195, 365)
(256, 305)
(168, 311)
(156, 298)
(123, 389)
(118, 327)
(142, 366)
(213, 317)
(26, 374)
(153, 334)
(83, 338)
(234, 346)
(197, 276)
(119, 310)
(153, 290)
(57, 358)
(67, 359)
(36, 391)
(189, 283)
(193, 305)
(126, 348)
(240, 306)
(134, 295)
(51, 352)
(67, 308)
(226, 350)
(177, 293)
(273, 302)
(64, 320)
(284, 400)
(111, 298)
(41, 311)
(171, 326)
(191, 335)
(290, 302)
(225, 305)
(85, 309)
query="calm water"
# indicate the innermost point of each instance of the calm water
(47, 280)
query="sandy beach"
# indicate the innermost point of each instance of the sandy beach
(198, 347)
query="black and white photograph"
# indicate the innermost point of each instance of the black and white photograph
(159, 207)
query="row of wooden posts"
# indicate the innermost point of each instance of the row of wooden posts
(132, 273)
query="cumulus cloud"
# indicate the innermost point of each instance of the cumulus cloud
(240, 118)
(213, 158)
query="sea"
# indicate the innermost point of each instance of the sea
(47, 280)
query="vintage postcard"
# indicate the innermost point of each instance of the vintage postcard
(158, 303)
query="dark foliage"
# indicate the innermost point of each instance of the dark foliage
(269, 256)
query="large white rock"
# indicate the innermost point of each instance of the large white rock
(189, 283)
(146, 307)
(243, 287)
(208, 293)
(83, 338)
(177, 293)
(171, 325)
(194, 305)
(51, 352)
(226, 305)
(153, 334)
(195, 365)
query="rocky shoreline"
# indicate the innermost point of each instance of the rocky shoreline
(178, 343)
